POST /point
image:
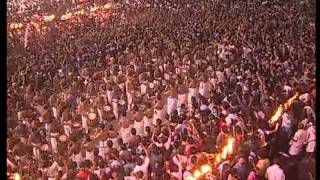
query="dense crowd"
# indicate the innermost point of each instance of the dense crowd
(145, 93)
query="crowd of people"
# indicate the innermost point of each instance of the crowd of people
(148, 92)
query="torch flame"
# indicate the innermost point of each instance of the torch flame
(282, 108)
(196, 174)
(205, 169)
(49, 18)
(17, 176)
(107, 6)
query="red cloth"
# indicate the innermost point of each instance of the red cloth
(82, 175)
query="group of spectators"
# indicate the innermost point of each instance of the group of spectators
(149, 92)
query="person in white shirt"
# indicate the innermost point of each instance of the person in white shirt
(311, 144)
(275, 172)
(143, 166)
(298, 141)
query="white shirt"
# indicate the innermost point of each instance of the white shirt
(286, 120)
(139, 126)
(231, 117)
(143, 167)
(125, 134)
(274, 172)
(171, 104)
(299, 139)
(311, 139)
(204, 88)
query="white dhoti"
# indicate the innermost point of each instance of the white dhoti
(193, 92)
(115, 108)
(130, 100)
(54, 144)
(158, 114)
(55, 112)
(36, 152)
(67, 130)
(171, 105)
(100, 114)
(182, 99)
(311, 146)
(109, 96)
(85, 124)
(102, 148)
(143, 89)
(147, 122)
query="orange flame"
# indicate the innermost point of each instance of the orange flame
(282, 108)
(204, 169)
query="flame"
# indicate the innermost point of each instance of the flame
(17, 176)
(282, 108)
(190, 178)
(66, 16)
(197, 174)
(80, 12)
(16, 25)
(93, 9)
(205, 169)
(49, 18)
(228, 149)
(107, 6)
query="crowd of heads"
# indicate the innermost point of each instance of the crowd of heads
(149, 91)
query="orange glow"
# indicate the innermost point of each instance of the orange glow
(190, 178)
(107, 6)
(17, 176)
(49, 18)
(205, 169)
(197, 174)
(16, 25)
(282, 108)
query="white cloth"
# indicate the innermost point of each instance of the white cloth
(311, 139)
(143, 167)
(204, 89)
(54, 144)
(147, 122)
(143, 89)
(274, 172)
(90, 155)
(171, 105)
(182, 99)
(85, 124)
(220, 76)
(231, 117)
(158, 114)
(193, 92)
(139, 126)
(77, 158)
(67, 130)
(102, 148)
(286, 120)
(115, 108)
(298, 141)
(109, 96)
(125, 134)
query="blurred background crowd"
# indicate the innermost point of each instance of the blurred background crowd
(140, 91)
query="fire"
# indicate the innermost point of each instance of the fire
(16, 25)
(107, 6)
(228, 149)
(204, 169)
(17, 176)
(49, 18)
(282, 108)
(197, 174)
